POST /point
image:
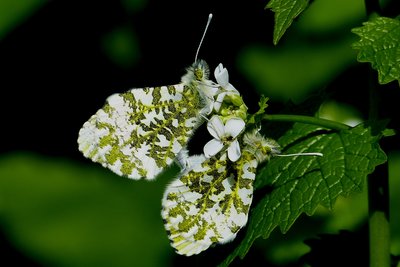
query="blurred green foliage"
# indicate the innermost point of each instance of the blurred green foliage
(13, 13)
(394, 193)
(328, 16)
(294, 71)
(61, 213)
(121, 46)
(315, 49)
(133, 5)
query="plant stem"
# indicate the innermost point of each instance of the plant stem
(309, 120)
(379, 228)
(378, 193)
(378, 181)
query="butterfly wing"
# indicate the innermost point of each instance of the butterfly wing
(209, 202)
(140, 132)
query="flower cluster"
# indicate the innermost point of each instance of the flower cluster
(228, 121)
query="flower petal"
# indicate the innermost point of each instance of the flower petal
(215, 127)
(221, 75)
(234, 151)
(234, 126)
(231, 89)
(212, 148)
(218, 102)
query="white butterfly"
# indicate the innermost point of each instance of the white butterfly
(140, 132)
(210, 200)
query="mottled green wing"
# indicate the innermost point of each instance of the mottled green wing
(140, 132)
(209, 202)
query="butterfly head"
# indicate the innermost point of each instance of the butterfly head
(260, 146)
(201, 70)
(198, 73)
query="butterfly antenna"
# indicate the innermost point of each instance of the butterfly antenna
(204, 34)
(301, 154)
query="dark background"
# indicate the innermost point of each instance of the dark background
(56, 73)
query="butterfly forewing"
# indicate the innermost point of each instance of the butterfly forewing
(209, 202)
(139, 132)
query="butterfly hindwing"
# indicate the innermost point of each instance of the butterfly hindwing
(209, 202)
(139, 132)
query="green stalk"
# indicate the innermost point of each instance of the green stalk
(378, 194)
(378, 181)
(378, 221)
(307, 119)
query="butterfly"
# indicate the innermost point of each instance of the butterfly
(140, 132)
(210, 200)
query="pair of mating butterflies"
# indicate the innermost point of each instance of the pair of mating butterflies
(139, 133)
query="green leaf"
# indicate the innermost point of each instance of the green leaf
(285, 12)
(263, 104)
(256, 118)
(380, 45)
(299, 184)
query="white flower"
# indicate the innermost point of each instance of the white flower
(224, 135)
(222, 77)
